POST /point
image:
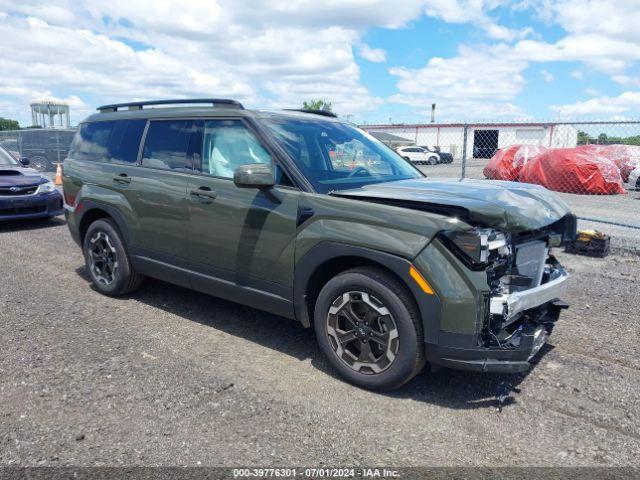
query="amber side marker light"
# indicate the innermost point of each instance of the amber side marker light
(419, 279)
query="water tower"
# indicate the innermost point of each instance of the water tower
(50, 113)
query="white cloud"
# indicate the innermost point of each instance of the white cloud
(264, 55)
(475, 12)
(625, 102)
(377, 55)
(603, 34)
(478, 83)
(577, 74)
(626, 80)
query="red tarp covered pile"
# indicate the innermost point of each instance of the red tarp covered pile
(626, 157)
(506, 163)
(573, 170)
(587, 169)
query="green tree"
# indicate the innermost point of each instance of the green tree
(317, 105)
(583, 138)
(602, 139)
(8, 124)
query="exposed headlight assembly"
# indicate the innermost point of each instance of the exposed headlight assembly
(45, 188)
(477, 248)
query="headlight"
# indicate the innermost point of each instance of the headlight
(46, 188)
(478, 247)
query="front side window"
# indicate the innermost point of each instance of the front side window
(337, 156)
(228, 144)
(170, 144)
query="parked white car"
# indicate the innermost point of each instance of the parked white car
(418, 155)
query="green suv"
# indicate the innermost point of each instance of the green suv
(308, 217)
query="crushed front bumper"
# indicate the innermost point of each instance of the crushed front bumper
(513, 304)
(527, 318)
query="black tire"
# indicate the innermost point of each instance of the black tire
(124, 278)
(432, 161)
(40, 163)
(387, 290)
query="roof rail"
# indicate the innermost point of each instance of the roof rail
(138, 105)
(324, 113)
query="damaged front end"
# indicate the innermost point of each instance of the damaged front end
(518, 312)
(524, 302)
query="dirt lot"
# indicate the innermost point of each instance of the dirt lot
(172, 377)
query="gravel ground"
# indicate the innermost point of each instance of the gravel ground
(172, 377)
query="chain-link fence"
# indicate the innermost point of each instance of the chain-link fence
(593, 165)
(44, 147)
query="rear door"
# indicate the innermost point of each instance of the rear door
(157, 190)
(241, 237)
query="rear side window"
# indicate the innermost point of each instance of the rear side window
(170, 145)
(91, 141)
(124, 142)
(112, 141)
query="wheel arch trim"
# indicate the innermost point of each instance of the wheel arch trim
(93, 206)
(324, 252)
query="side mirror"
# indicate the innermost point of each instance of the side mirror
(254, 175)
(25, 161)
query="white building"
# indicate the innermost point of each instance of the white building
(482, 139)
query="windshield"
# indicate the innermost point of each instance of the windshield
(335, 156)
(6, 159)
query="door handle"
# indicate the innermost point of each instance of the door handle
(204, 193)
(122, 178)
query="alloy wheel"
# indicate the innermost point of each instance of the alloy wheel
(362, 332)
(103, 261)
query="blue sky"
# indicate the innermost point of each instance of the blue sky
(375, 60)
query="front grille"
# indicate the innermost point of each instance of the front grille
(22, 210)
(18, 190)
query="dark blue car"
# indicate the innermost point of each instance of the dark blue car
(24, 193)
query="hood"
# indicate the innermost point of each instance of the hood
(508, 206)
(19, 176)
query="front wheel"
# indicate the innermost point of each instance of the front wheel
(107, 261)
(368, 327)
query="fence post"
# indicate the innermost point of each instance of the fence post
(464, 151)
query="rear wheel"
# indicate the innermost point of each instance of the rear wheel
(432, 161)
(107, 260)
(369, 329)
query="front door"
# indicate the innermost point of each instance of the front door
(242, 240)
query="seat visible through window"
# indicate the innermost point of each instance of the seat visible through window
(229, 144)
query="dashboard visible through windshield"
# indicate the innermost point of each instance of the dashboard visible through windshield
(337, 156)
